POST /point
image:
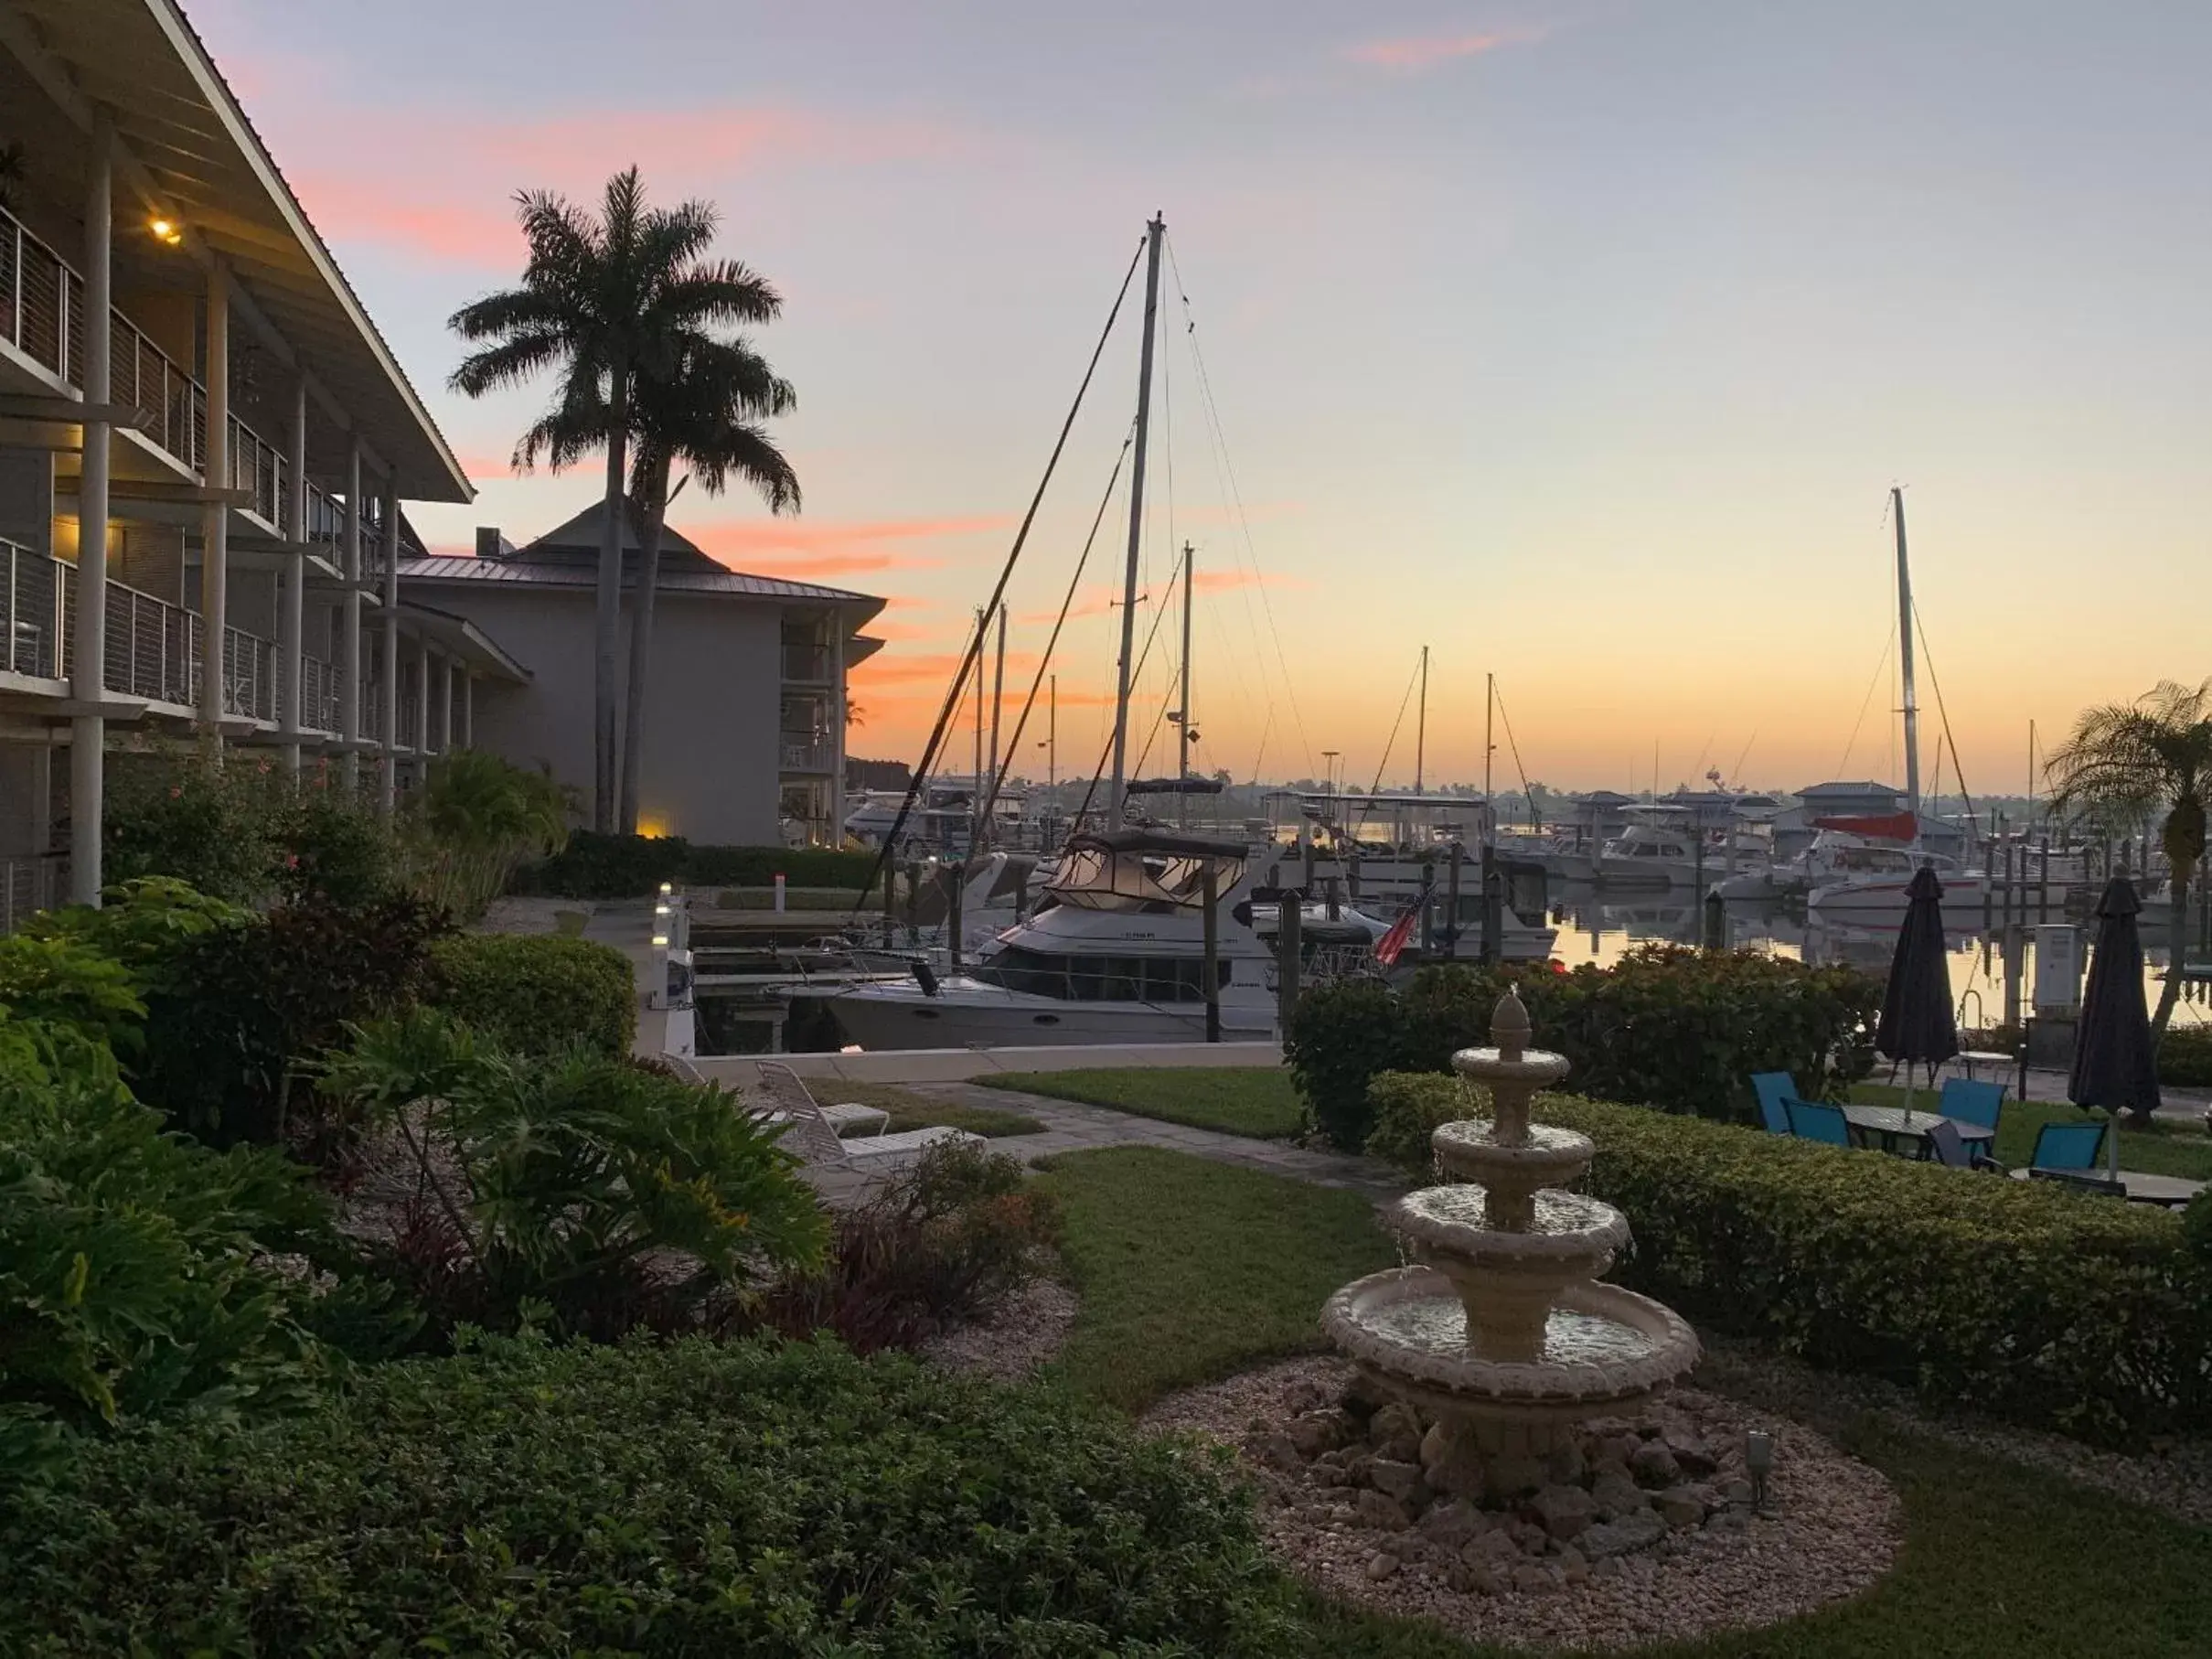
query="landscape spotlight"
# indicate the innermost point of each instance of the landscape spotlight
(1759, 1462)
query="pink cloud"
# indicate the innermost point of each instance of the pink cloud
(1411, 54)
(800, 547)
(1100, 600)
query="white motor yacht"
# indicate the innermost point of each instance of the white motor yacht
(1852, 872)
(1112, 954)
(1658, 848)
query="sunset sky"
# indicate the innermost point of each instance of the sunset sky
(1579, 342)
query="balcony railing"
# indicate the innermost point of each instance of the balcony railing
(30, 612)
(31, 884)
(322, 695)
(42, 316)
(801, 754)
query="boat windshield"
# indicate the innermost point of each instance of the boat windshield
(1089, 979)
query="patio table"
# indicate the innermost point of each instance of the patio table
(2172, 1191)
(1888, 1125)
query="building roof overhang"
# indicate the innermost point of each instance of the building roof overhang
(187, 153)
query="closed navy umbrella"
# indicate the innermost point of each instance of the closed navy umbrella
(2115, 1058)
(1917, 1025)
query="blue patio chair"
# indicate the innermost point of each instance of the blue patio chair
(2067, 1146)
(1776, 1090)
(1818, 1121)
(1971, 1102)
(1948, 1147)
(2082, 1180)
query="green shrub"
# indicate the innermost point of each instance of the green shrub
(477, 819)
(576, 1191)
(2185, 1057)
(134, 1278)
(1408, 1108)
(2022, 1299)
(594, 866)
(1341, 1036)
(538, 993)
(244, 1010)
(332, 844)
(688, 1499)
(1679, 1029)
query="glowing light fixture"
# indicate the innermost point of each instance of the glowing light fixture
(166, 231)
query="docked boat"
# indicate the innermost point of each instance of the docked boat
(1660, 847)
(1114, 954)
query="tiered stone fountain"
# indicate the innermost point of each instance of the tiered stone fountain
(1502, 1331)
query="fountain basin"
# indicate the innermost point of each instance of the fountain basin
(1603, 1346)
(1529, 1069)
(1549, 1157)
(1466, 1223)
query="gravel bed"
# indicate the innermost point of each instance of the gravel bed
(1832, 1528)
(1014, 1339)
(2175, 1477)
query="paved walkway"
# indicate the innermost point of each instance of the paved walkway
(1072, 1127)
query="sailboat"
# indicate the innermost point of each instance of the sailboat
(1115, 949)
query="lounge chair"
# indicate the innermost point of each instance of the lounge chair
(1818, 1121)
(813, 1135)
(1776, 1090)
(787, 1090)
(1969, 1102)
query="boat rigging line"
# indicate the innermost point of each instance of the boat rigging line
(1935, 684)
(1159, 614)
(973, 656)
(1226, 471)
(1527, 794)
(1880, 669)
(1001, 766)
(1411, 681)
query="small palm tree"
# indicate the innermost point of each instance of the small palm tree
(605, 300)
(705, 417)
(2126, 761)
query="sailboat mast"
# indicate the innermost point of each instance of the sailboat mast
(1153, 233)
(974, 807)
(1490, 748)
(1420, 728)
(998, 705)
(1912, 707)
(1051, 737)
(1182, 720)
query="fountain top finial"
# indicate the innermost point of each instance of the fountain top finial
(1509, 1025)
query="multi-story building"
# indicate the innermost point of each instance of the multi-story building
(205, 445)
(745, 704)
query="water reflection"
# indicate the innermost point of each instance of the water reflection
(1603, 927)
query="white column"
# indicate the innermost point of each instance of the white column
(446, 705)
(350, 699)
(215, 518)
(468, 709)
(89, 731)
(292, 595)
(422, 710)
(837, 726)
(388, 794)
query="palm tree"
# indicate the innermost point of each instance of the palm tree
(704, 416)
(2128, 760)
(606, 300)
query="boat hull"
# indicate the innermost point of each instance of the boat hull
(965, 1015)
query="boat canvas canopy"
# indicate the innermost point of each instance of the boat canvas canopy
(1141, 869)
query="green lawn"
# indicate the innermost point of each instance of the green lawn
(910, 1110)
(1191, 1270)
(1255, 1100)
(2161, 1149)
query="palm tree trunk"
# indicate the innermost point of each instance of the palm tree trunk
(641, 647)
(2177, 944)
(607, 629)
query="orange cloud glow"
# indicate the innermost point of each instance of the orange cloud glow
(798, 547)
(1413, 53)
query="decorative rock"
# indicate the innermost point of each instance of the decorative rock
(1496, 1547)
(1637, 1530)
(1616, 1495)
(1566, 1465)
(1609, 1567)
(1399, 1480)
(1534, 1579)
(1396, 1432)
(1380, 1565)
(1379, 1509)
(1653, 1465)
(1564, 1510)
(1688, 1452)
(1435, 1445)
(1678, 1506)
(1453, 1523)
(1278, 1451)
(1573, 1566)
(1483, 1578)
(1319, 1431)
(1738, 1491)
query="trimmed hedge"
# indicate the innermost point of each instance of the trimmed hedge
(1682, 1030)
(684, 1499)
(2052, 1308)
(2185, 1057)
(597, 866)
(537, 993)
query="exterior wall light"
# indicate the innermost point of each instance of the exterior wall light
(166, 231)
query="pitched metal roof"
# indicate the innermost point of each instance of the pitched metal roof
(531, 573)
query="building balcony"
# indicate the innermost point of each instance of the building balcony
(156, 650)
(42, 319)
(808, 754)
(30, 884)
(805, 664)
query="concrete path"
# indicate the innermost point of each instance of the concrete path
(1070, 1126)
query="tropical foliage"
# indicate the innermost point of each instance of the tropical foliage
(2127, 762)
(608, 302)
(538, 993)
(477, 819)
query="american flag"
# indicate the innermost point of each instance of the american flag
(1388, 948)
